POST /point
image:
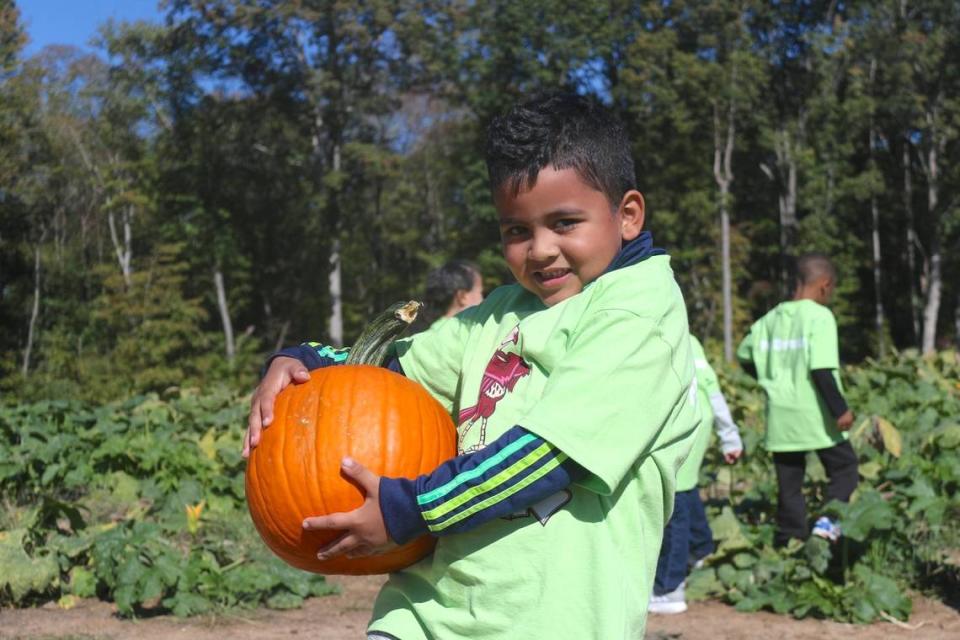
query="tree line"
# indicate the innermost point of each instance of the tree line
(247, 174)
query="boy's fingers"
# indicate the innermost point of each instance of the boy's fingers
(363, 476)
(344, 544)
(361, 551)
(332, 521)
(301, 375)
(252, 437)
(266, 412)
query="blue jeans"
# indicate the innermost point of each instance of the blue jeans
(686, 537)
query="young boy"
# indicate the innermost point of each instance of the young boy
(793, 353)
(576, 402)
(688, 534)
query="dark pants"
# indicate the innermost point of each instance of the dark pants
(686, 535)
(840, 463)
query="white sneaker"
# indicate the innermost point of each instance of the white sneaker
(673, 602)
(827, 529)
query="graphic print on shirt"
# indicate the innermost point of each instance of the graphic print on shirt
(499, 378)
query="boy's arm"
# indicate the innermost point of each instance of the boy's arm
(516, 471)
(826, 384)
(730, 443)
(745, 355)
(824, 363)
(314, 355)
(727, 431)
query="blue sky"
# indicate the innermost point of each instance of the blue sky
(76, 21)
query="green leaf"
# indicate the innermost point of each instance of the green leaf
(744, 560)
(871, 470)
(870, 512)
(702, 584)
(892, 441)
(83, 582)
(21, 573)
(284, 600)
(818, 553)
(728, 532)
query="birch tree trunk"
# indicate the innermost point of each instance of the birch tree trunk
(877, 279)
(723, 174)
(784, 173)
(335, 322)
(911, 231)
(123, 249)
(875, 219)
(934, 288)
(231, 346)
(35, 310)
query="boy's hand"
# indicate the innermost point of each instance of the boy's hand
(282, 372)
(732, 456)
(845, 421)
(365, 533)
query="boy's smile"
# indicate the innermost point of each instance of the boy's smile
(561, 235)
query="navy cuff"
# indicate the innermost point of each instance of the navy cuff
(401, 513)
(303, 353)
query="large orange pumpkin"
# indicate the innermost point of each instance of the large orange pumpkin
(385, 421)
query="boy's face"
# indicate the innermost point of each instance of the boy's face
(560, 235)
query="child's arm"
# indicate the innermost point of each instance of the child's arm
(826, 385)
(730, 443)
(514, 472)
(745, 355)
(824, 363)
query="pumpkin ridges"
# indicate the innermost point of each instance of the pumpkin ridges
(262, 484)
(386, 402)
(314, 490)
(283, 486)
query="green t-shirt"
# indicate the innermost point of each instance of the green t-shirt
(606, 376)
(788, 343)
(439, 322)
(707, 385)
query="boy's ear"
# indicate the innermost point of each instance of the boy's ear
(632, 214)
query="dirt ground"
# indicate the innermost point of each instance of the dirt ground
(344, 617)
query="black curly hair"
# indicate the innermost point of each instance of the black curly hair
(443, 283)
(564, 130)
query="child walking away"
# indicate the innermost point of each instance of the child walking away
(575, 402)
(687, 539)
(793, 353)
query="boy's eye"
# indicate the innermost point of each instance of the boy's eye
(514, 232)
(565, 224)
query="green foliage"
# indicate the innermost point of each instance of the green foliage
(140, 502)
(898, 528)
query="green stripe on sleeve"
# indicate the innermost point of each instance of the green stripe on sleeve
(503, 495)
(466, 476)
(503, 477)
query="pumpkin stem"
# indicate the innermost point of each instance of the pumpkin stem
(372, 345)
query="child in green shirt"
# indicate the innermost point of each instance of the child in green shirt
(574, 395)
(687, 535)
(452, 287)
(793, 353)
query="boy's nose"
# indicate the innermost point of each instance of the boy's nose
(542, 247)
